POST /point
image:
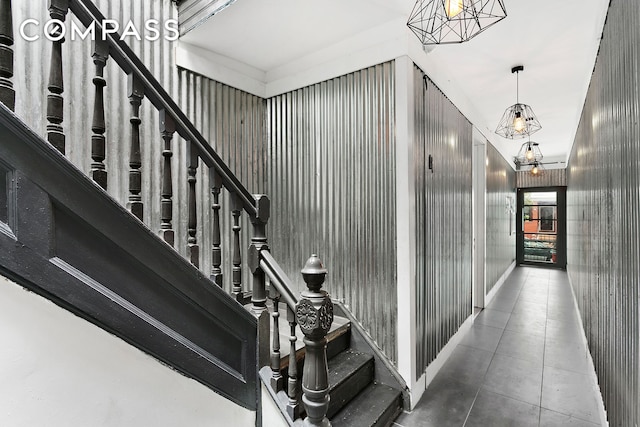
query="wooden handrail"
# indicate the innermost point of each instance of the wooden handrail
(87, 13)
(279, 279)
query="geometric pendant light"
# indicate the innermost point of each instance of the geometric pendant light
(536, 169)
(519, 120)
(529, 153)
(453, 21)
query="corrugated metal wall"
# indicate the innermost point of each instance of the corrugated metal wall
(549, 178)
(233, 122)
(603, 216)
(500, 227)
(332, 185)
(443, 220)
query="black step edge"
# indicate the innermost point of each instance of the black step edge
(349, 373)
(385, 372)
(377, 405)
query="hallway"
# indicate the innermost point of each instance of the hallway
(523, 363)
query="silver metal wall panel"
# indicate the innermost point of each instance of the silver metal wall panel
(443, 220)
(194, 12)
(233, 122)
(550, 178)
(332, 185)
(31, 76)
(500, 227)
(603, 215)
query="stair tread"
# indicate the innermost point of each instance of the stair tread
(377, 405)
(345, 364)
(349, 373)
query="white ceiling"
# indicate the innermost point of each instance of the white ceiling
(555, 40)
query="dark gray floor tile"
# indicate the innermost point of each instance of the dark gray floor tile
(524, 306)
(570, 393)
(494, 318)
(564, 330)
(466, 365)
(522, 345)
(517, 378)
(569, 355)
(444, 404)
(554, 419)
(502, 304)
(528, 322)
(483, 337)
(562, 312)
(491, 409)
(537, 297)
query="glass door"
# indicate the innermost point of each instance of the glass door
(541, 227)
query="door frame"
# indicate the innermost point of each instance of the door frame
(561, 242)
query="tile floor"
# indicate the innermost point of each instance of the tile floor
(523, 363)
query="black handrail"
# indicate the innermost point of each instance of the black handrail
(279, 279)
(87, 13)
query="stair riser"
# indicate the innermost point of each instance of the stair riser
(344, 392)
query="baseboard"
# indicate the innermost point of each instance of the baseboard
(437, 364)
(492, 293)
(601, 409)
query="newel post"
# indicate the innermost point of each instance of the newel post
(314, 314)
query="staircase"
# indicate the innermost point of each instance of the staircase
(358, 397)
(65, 237)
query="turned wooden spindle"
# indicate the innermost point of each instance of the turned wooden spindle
(167, 129)
(136, 94)
(193, 250)
(7, 93)
(55, 102)
(98, 141)
(236, 260)
(277, 380)
(216, 251)
(293, 388)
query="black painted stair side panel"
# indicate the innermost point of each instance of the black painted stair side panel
(378, 405)
(349, 373)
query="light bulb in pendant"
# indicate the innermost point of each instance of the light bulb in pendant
(453, 7)
(530, 154)
(519, 123)
(535, 169)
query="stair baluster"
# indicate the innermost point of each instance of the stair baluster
(98, 127)
(293, 389)
(7, 93)
(277, 381)
(193, 250)
(314, 314)
(55, 102)
(216, 251)
(236, 261)
(136, 94)
(258, 244)
(167, 129)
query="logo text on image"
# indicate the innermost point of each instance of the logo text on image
(55, 30)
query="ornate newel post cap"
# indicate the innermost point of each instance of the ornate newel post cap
(314, 273)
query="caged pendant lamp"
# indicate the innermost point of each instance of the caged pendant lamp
(519, 120)
(453, 21)
(529, 153)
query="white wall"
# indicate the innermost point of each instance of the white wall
(57, 369)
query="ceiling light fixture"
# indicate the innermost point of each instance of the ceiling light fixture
(529, 153)
(453, 21)
(519, 120)
(537, 169)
